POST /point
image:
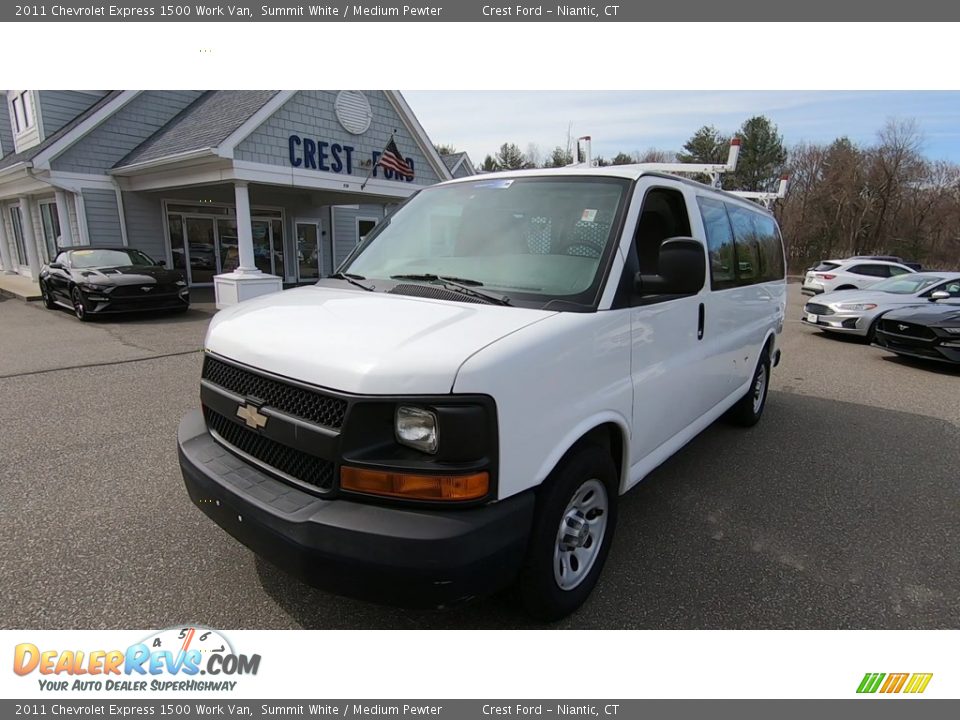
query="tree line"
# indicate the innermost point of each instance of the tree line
(844, 198)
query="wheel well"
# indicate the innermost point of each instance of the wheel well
(608, 436)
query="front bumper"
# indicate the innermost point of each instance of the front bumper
(386, 554)
(849, 324)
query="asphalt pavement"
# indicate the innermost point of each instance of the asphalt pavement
(841, 509)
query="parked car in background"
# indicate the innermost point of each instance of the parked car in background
(99, 280)
(888, 258)
(930, 331)
(850, 274)
(855, 312)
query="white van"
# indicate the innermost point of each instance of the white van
(461, 406)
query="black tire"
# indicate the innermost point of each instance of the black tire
(872, 332)
(540, 591)
(79, 305)
(749, 409)
(47, 296)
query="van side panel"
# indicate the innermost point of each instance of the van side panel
(553, 381)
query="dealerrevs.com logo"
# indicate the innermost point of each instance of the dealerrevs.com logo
(172, 659)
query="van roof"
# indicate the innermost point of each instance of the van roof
(629, 172)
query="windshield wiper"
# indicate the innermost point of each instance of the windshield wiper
(352, 279)
(465, 286)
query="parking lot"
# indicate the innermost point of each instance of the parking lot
(841, 509)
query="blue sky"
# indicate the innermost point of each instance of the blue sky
(480, 121)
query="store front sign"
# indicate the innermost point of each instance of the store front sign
(311, 154)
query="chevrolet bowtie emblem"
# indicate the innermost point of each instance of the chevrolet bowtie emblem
(251, 416)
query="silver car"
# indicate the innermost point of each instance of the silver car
(855, 312)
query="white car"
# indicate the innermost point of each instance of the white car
(460, 407)
(850, 274)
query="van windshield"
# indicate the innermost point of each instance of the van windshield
(535, 239)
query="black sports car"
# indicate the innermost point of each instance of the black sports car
(98, 280)
(930, 331)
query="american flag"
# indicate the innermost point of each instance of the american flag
(393, 160)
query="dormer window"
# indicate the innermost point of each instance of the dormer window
(22, 111)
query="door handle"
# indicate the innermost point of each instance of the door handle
(700, 322)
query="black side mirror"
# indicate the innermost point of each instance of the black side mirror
(161, 263)
(939, 295)
(682, 268)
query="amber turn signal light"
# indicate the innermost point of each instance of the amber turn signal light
(415, 487)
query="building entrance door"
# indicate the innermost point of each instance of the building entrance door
(202, 253)
(308, 250)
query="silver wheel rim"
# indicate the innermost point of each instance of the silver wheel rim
(759, 389)
(77, 304)
(581, 534)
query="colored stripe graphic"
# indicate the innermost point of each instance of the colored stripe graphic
(894, 682)
(918, 682)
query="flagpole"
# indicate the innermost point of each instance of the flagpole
(373, 165)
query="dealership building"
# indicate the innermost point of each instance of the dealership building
(245, 190)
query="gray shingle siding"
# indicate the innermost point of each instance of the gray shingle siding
(310, 114)
(143, 116)
(58, 107)
(145, 224)
(345, 237)
(103, 219)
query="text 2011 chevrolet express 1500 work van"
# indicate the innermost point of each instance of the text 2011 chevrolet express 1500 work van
(461, 406)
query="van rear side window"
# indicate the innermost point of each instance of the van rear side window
(745, 246)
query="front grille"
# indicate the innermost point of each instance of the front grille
(818, 309)
(299, 465)
(136, 291)
(308, 405)
(894, 327)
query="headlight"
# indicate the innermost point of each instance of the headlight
(417, 428)
(89, 287)
(952, 331)
(856, 306)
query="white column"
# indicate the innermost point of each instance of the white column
(29, 238)
(5, 256)
(248, 265)
(63, 215)
(246, 282)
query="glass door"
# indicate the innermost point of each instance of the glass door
(262, 252)
(308, 251)
(201, 249)
(228, 244)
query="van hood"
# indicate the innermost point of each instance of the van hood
(362, 342)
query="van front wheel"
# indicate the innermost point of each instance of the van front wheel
(576, 518)
(749, 408)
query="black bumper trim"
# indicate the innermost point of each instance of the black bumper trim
(386, 554)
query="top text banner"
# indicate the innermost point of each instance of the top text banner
(480, 11)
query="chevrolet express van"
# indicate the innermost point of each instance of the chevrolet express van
(460, 407)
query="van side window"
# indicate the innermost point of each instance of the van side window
(664, 215)
(719, 243)
(771, 248)
(747, 244)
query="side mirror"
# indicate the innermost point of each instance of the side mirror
(55, 266)
(161, 263)
(682, 267)
(939, 295)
